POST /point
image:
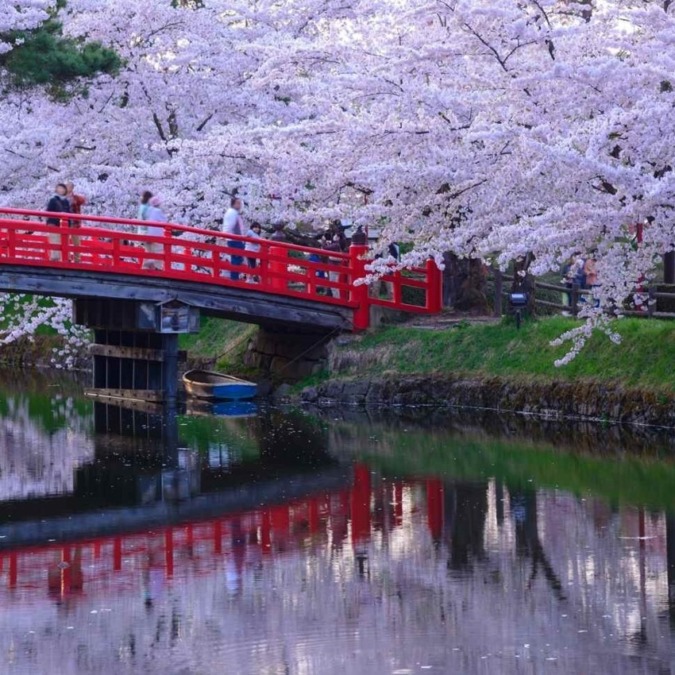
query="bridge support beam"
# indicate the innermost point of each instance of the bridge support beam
(131, 360)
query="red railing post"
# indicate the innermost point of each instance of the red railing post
(313, 515)
(117, 554)
(60, 252)
(397, 288)
(218, 537)
(13, 576)
(11, 242)
(265, 532)
(65, 240)
(359, 294)
(116, 257)
(66, 572)
(435, 507)
(168, 551)
(278, 268)
(360, 505)
(262, 271)
(434, 287)
(167, 248)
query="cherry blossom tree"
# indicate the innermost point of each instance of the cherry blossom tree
(21, 15)
(493, 130)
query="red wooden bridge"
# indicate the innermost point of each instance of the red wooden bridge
(98, 257)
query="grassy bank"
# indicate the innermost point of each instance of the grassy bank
(645, 357)
(219, 342)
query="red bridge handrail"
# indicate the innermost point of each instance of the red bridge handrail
(186, 253)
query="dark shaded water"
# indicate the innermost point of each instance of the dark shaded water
(268, 541)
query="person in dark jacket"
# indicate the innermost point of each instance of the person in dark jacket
(58, 203)
(335, 240)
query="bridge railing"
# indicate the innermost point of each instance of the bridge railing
(173, 251)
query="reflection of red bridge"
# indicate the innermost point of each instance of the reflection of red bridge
(93, 565)
(101, 257)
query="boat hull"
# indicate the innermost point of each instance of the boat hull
(222, 387)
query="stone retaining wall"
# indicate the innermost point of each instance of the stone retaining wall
(286, 355)
(560, 399)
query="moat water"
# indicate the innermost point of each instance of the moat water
(249, 539)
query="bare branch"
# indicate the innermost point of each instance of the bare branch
(543, 12)
(445, 118)
(201, 126)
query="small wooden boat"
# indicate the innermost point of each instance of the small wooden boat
(212, 385)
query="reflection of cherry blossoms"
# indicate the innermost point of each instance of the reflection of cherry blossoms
(35, 461)
(514, 576)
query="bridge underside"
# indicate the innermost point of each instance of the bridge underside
(239, 304)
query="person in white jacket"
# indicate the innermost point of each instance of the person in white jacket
(153, 212)
(234, 224)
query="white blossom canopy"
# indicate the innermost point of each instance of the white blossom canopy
(490, 129)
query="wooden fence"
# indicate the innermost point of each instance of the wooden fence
(542, 292)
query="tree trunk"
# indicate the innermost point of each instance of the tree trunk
(464, 284)
(669, 268)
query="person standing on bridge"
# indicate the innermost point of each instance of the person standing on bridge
(76, 203)
(143, 207)
(255, 232)
(335, 240)
(233, 223)
(57, 204)
(154, 213)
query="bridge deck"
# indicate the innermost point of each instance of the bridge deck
(248, 305)
(95, 256)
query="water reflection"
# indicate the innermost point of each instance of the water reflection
(44, 436)
(299, 543)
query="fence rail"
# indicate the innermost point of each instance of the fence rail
(577, 296)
